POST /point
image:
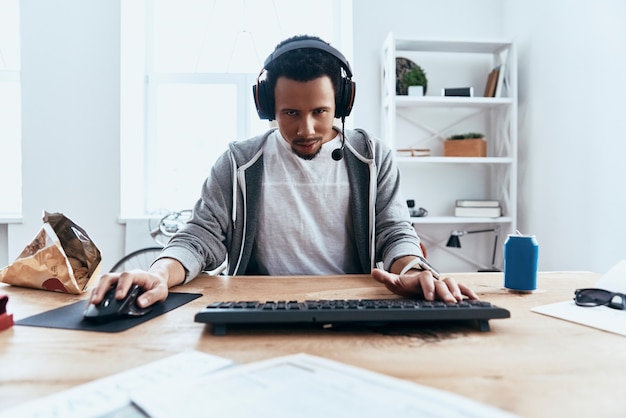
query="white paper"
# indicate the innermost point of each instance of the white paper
(304, 386)
(614, 279)
(600, 317)
(110, 396)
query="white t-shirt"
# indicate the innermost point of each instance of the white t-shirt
(305, 225)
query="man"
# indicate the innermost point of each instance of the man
(307, 198)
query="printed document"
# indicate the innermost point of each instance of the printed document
(109, 397)
(303, 385)
(196, 384)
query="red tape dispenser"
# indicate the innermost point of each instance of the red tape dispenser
(6, 320)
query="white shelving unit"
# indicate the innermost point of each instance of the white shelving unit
(436, 181)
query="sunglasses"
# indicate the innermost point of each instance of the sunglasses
(598, 297)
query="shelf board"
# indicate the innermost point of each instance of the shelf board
(452, 45)
(459, 220)
(452, 101)
(454, 160)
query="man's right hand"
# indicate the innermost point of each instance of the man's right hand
(163, 274)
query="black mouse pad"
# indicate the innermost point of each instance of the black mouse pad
(71, 316)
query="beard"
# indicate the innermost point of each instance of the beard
(305, 156)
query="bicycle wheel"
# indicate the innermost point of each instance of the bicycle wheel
(140, 259)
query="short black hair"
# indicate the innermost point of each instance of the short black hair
(304, 64)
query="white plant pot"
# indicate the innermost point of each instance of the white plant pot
(416, 90)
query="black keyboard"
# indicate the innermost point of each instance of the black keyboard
(331, 312)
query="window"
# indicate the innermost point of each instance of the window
(187, 75)
(10, 110)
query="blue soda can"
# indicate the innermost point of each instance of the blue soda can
(521, 255)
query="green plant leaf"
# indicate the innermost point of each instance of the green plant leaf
(415, 76)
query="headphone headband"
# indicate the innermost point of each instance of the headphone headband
(310, 44)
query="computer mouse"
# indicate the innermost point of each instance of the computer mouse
(110, 308)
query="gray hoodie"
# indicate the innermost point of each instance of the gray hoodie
(225, 218)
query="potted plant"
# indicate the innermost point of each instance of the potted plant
(408, 74)
(415, 77)
(471, 144)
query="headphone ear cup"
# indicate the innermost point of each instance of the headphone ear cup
(346, 98)
(262, 101)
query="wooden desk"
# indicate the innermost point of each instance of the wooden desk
(530, 364)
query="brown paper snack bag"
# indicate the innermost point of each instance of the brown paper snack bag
(61, 258)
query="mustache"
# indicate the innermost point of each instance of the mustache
(302, 140)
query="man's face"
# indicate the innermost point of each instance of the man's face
(305, 112)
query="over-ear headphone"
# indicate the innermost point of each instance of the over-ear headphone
(264, 99)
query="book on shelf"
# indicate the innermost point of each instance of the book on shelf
(492, 80)
(478, 212)
(500, 83)
(502, 80)
(414, 152)
(480, 203)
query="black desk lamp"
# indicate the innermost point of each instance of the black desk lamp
(455, 242)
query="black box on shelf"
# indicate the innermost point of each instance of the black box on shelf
(458, 91)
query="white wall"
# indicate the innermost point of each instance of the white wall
(70, 105)
(571, 105)
(571, 61)
(571, 67)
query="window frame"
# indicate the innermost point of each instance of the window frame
(135, 187)
(11, 132)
